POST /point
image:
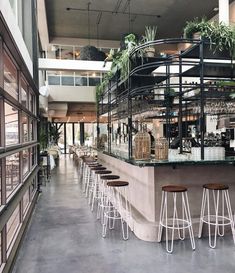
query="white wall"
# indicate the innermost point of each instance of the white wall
(84, 42)
(53, 64)
(72, 93)
(8, 15)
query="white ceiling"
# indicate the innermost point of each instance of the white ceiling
(112, 25)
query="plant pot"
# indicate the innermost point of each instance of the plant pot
(197, 35)
(150, 52)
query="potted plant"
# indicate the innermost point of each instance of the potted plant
(194, 28)
(149, 36)
(220, 36)
(54, 133)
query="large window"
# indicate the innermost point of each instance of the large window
(10, 77)
(33, 156)
(33, 128)
(61, 141)
(73, 78)
(12, 173)
(25, 201)
(24, 126)
(18, 155)
(24, 93)
(32, 102)
(69, 136)
(25, 162)
(77, 133)
(0, 182)
(33, 187)
(0, 248)
(12, 227)
(11, 125)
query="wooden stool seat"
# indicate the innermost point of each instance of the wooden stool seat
(174, 188)
(98, 168)
(216, 187)
(86, 160)
(118, 184)
(103, 172)
(109, 177)
(94, 165)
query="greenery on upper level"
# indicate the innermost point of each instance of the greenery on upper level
(120, 58)
(220, 35)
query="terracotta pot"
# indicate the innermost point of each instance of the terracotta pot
(150, 52)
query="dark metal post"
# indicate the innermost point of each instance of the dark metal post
(167, 103)
(65, 139)
(129, 104)
(73, 133)
(202, 114)
(97, 126)
(109, 117)
(82, 133)
(180, 118)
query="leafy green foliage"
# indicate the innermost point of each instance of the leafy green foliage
(120, 62)
(54, 132)
(221, 36)
(150, 34)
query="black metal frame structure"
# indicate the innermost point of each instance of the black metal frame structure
(148, 75)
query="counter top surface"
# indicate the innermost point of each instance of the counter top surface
(153, 162)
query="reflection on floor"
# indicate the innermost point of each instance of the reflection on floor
(65, 236)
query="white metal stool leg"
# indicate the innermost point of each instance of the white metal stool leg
(202, 213)
(217, 220)
(175, 223)
(188, 219)
(230, 214)
(117, 208)
(161, 218)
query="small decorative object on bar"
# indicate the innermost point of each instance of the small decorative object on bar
(161, 149)
(142, 146)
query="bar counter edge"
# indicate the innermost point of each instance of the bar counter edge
(146, 181)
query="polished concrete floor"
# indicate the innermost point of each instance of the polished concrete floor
(65, 237)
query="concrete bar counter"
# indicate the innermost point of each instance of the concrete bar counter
(147, 178)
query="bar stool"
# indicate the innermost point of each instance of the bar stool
(120, 208)
(91, 179)
(213, 192)
(104, 179)
(175, 223)
(96, 194)
(87, 173)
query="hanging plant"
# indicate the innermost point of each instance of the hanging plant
(120, 64)
(91, 53)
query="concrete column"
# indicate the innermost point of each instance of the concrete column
(82, 133)
(232, 13)
(224, 11)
